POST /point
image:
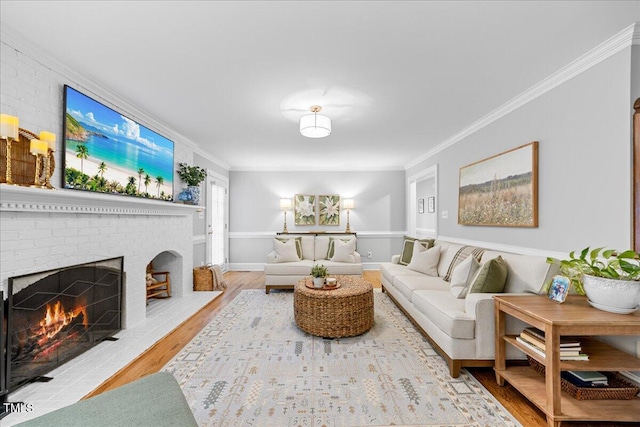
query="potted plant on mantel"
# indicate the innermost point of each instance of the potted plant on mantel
(319, 272)
(192, 176)
(609, 279)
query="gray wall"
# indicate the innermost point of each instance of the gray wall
(255, 217)
(583, 129)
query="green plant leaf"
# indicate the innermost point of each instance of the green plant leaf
(594, 254)
(628, 255)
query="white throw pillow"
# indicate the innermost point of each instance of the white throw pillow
(462, 276)
(344, 251)
(424, 260)
(285, 251)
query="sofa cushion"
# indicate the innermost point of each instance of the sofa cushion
(407, 284)
(300, 268)
(332, 246)
(447, 251)
(460, 256)
(285, 251)
(347, 268)
(343, 251)
(491, 277)
(526, 273)
(446, 312)
(389, 270)
(424, 260)
(407, 248)
(298, 242)
(462, 276)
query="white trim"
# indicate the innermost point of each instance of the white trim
(506, 248)
(98, 91)
(369, 266)
(625, 38)
(293, 168)
(200, 239)
(27, 199)
(271, 234)
(247, 266)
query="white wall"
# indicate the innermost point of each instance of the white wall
(255, 217)
(583, 127)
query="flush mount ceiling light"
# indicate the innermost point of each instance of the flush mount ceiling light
(315, 125)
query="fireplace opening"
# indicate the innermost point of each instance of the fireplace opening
(53, 316)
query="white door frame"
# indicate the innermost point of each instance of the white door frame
(221, 181)
(412, 203)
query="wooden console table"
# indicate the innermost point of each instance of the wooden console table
(577, 318)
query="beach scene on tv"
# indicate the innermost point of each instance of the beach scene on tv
(107, 152)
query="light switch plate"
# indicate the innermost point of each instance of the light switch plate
(445, 214)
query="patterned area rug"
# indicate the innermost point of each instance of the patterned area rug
(252, 366)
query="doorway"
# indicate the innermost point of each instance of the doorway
(217, 238)
(422, 204)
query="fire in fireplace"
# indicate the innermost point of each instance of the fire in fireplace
(52, 316)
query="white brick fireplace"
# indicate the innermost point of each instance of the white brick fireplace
(42, 229)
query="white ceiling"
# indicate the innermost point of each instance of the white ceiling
(397, 78)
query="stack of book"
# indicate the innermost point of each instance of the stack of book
(533, 339)
(586, 378)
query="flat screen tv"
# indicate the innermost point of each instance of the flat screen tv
(107, 152)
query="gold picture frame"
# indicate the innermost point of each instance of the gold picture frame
(329, 209)
(304, 209)
(501, 190)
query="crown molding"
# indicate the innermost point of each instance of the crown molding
(297, 168)
(98, 91)
(625, 38)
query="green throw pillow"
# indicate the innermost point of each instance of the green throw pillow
(298, 244)
(331, 250)
(407, 248)
(491, 278)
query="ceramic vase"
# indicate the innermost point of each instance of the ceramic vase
(615, 296)
(318, 282)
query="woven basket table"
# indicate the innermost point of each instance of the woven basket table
(343, 312)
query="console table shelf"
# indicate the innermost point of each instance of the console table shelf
(573, 318)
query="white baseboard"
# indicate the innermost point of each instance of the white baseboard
(247, 266)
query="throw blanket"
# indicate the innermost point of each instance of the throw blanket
(218, 281)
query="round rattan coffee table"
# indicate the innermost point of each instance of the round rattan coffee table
(334, 313)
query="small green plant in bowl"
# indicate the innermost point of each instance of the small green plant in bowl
(610, 279)
(319, 270)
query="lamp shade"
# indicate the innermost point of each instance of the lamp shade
(348, 204)
(285, 204)
(8, 126)
(315, 126)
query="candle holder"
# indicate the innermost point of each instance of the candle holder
(8, 178)
(36, 179)
(48, 169)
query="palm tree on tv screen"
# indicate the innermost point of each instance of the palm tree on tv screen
(82, 152)
(102, 168)
(147, 181)
(140, 172)
(159, 182)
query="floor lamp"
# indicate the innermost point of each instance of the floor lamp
(348, 204)
(285, 205)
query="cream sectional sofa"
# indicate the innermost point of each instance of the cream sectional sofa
(284, 275)
(462, 330)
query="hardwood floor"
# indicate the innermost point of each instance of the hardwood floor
(164, 350)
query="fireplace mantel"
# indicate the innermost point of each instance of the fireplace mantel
(27, 199)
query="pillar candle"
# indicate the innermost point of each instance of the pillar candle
(49, 138)
(8, 126)
(38, 147)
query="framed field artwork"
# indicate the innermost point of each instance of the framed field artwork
(304, 209)
(329, 209)
(501, 190)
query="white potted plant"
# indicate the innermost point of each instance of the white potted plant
(319, 272)
(192, 176)
(609, 279)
